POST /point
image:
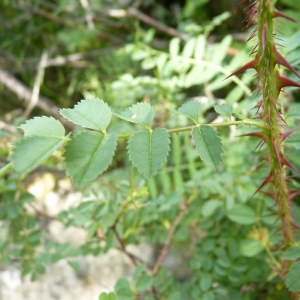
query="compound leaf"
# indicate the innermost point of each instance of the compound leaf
(208, 144)
(43, 126)
(293, 278)
(91, 113)
(148, 150)
(224, 110)
(140, 113)
(89, 154)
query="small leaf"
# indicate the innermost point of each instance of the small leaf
(293, 278)
(110, 296)
(292, 253)
(29, 152)
(205, 281)
(91, 113)
(144, 282)
(224, 110)
(174, 46)
(188, 49)
(148, 150)
(208, 144)
(200, 47)
(75, 265)
(242, 214)
(43, 126)
(140, 113)
(190, 109)
(210, 206)
(88, 154)
(250, 247)
(123, 290)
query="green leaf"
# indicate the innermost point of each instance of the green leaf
(292, 253)
(208, 144)
(250, 247)
(29, 152)
(43, 135)
(293, 278)
(241, 213)
(200, 47)
(189, 109)
(148, 150)
(91, 113)
(144, 282)
(89, 154)
(43, 126)
(110, 296)
(210, 206)
(174, 46)
(140, 113)
(188, 49)
(205, 281)
(123, 290)
(75, 265)
(224, 110)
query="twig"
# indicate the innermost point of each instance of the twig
(166, 246)
(132, 11)
(37, 85)
(88, 15)
(24, 93)
(122, 245)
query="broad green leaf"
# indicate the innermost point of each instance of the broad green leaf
(174, 46)
(292, 253)
(140, 113)
(110, 296)
(293, 278)
(224, 110)
(123, 290)
(43, 126)
(91, 113)
(30, 151)
(208, 144)
(144, 282)
(241, 213)
(75, 265)
(210, 206)
(250, 247)
(148, 150)
(88, 154)
(138, 271)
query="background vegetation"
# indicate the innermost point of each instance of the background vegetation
(55, 53)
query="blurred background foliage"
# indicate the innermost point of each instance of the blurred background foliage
(55, 53)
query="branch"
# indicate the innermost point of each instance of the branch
(24, 93)
(166, 246)
(122, 245)
(133, 12)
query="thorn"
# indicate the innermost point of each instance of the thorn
(279, 59)
(284, 82)
(265, 182)
(293, 194)
(278, 154)
(277, 13)
(290, 165)
(287, 133)
(250, 65)
(258, 134)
